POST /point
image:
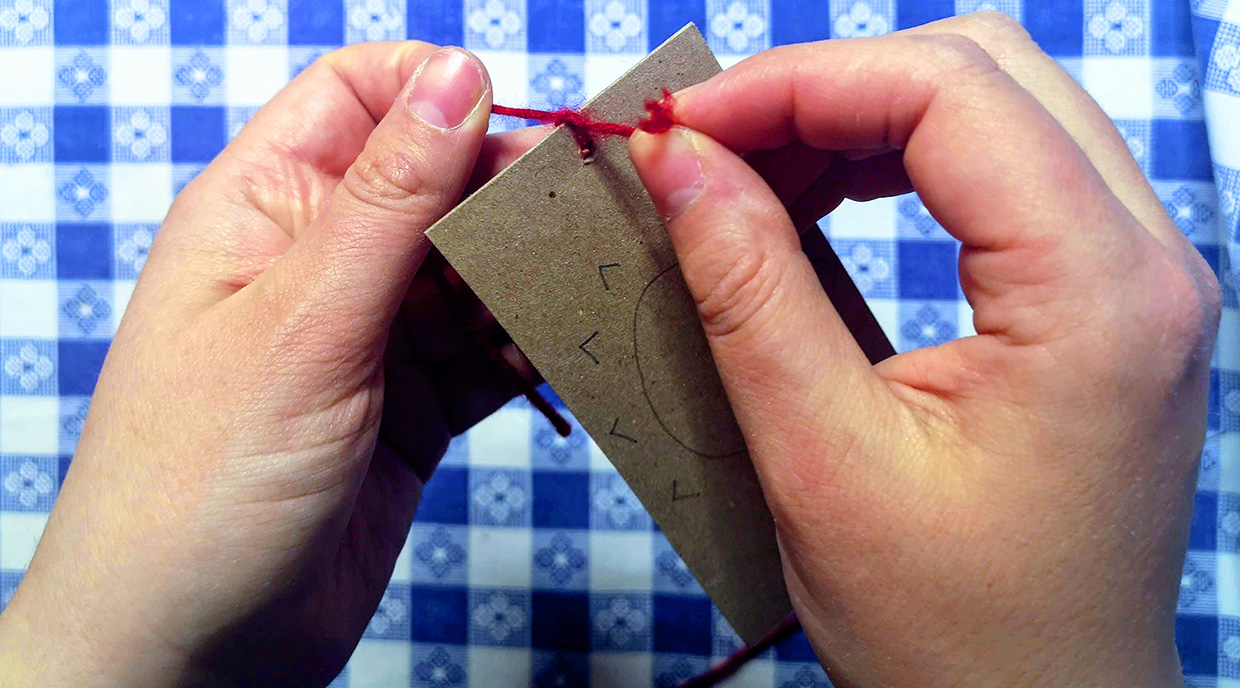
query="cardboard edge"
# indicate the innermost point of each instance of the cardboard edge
(690, 30)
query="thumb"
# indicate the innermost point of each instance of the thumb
(798, 382)
(355, 262)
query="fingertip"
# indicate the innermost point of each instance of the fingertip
(670, 165)
(451, 85)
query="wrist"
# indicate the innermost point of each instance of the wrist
(44, 641)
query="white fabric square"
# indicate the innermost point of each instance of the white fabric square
(27, 191)
(255, 73)
(1227, 349)
(757, 672)
(27, 76)
(599, 460)
(19, 535)
(1123, 86)
(964, 320)
(1224, 140)
(122, 291)
(140, 75)
(28, 309)
(496, 667)
(738, 27)
(502, 439)
(402, 572)
(1231, 15)
(28, 425)
(621, 561)
(141, 192)
(1211, 9)
(374, 20)
(615, 26)
(381, 664)
(623, 670)
(499, 557)
(1229, 471)
(887, 313)
(509, 76)
(869, 220)
(603, 70)
(1228, 575)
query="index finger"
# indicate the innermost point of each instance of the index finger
(991, 164)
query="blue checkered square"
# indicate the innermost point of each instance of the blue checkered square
(499, 617)
(315, 23)
(8, 586)
(28, 483)
(197, 22)
(25, 135)
(82, 22)
(80, 363)
(72, 419)
(615, 26)
(29, 367)
(557, 81)
(561, 560)
(495, 24)
(1223, 67)
(82, 133)
(197, 75)
(140, 22)
(499, 498)
(560, 620)
(556, 26)
(27, 250)
(81, 76)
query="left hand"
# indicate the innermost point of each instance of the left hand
(234, 508)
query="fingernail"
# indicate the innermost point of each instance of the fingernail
(680, 172)
(447, 88)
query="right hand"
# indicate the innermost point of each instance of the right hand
(1007, 509)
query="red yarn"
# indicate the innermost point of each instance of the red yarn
(658, 120)
(733, 664)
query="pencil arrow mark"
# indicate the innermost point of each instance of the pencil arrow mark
(602, 274)
(586, 351)
(621, 435)
(677, 495)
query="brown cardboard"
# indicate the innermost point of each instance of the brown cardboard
(575, 263)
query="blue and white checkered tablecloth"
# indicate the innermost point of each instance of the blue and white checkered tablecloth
(107, 108)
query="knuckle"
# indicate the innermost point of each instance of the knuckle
(993, 29)
(1187, 306)
(738, 290)
(390, 180)
(958, 53)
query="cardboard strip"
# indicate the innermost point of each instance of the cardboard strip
(574, 261)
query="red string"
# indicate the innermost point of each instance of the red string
(738, 659)
(658, 119)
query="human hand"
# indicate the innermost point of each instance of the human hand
(234, 508)
(1007, 509)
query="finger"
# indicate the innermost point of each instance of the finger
(791, 169)
(248, 206)
(877, 176)
(325, 114)
(501, 150)
(352, 268)
(937, 98)
(1011, 47)
(772, 331)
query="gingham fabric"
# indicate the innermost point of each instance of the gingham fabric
(531, 562)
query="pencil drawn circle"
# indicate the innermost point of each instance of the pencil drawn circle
(679, 380)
